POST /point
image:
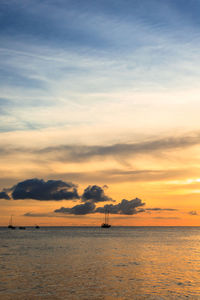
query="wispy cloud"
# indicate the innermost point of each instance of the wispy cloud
(120, 176)
(82, 152)
(161, 209)
(78, 153)
(166, 218)
(40, 215)
(63, 51)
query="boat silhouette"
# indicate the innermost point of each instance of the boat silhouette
(10, 226)
(106, 223)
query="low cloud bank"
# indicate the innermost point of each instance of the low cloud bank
(125, 207)
(57, 190)
(80, 209)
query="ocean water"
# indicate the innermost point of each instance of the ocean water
(96, 263)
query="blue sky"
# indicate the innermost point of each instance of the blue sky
(78, 55)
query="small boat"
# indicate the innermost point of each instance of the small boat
(10, 226)
(37, 227)
(106, 223)
(22, 227)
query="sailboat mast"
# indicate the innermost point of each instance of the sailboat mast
(106, 217)
(106, 222)
(10, 220)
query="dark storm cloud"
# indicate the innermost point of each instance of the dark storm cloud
(4, 195)
(80, 209)
(95, 194)
(38, 189)
(125, 207)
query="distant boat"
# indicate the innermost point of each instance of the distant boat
(106, 223)
(10, 224)
(37, 227)
(22, 227)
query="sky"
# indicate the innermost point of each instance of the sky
(99, 110)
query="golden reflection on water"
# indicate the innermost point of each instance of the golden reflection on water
(95, 263)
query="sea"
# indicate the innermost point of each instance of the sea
(100, 263)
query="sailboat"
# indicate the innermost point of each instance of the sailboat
(22, 227)
(106, 223)
(10, 224)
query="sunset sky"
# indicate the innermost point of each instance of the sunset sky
(100, 107)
